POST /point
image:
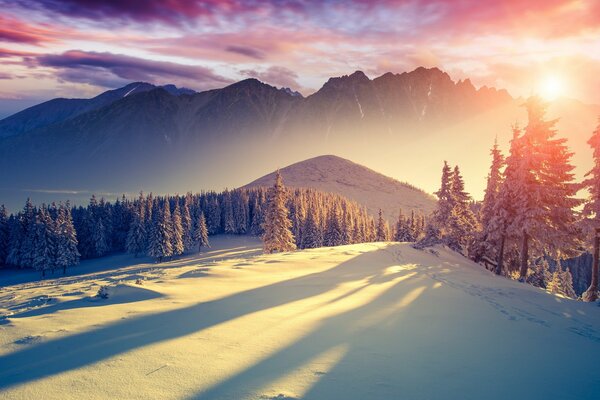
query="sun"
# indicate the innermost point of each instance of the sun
(551, 87)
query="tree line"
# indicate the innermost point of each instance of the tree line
(53, 237)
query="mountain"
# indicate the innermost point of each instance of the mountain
(369, 188)
(164, 139)
(59, 110)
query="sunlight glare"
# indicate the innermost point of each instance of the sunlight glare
(551, 87)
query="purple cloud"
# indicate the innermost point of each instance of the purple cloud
(246, 51)
(108, 69)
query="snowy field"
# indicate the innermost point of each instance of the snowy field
(367, 321)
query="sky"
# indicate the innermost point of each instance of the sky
(79, 48)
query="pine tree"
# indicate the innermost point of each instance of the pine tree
(176, 231)
(539, 276)
(186, 224)
(567, 283)
(381, 235)
(4, 235)
(441, 215)
(66, 247)
(545, 205)
(312, 237)
(591, 211)
(201, 233)
(43, 244)
(486, 246)
(462, 222)
(227, 222)
(333, 233)
(136, 237)
(277, 226)
(160, 243)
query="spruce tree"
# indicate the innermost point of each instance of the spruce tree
(67, 253)
(277, 235)
(461, 223)
(545, 205)
(591, 211)
(176, 230)
(4, 235)
(160, 243)
(187, 224)
(136, 237)
(312, 237)
(441, 215)
(43, 256)
(201, 233)
(333, 233)
(381, 233)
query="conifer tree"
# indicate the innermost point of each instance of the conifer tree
(43, 242)
(277, 235)
(176, 231)
(486, 246)
(201, 233)
(160, 243)
(441, 215)
(187, 224)
(591, 211)
(382, 232)
(312, 237)
(66, 247)
(136, 237)
(333, 233)
(462, 222)
(4, 235)
(545, 205)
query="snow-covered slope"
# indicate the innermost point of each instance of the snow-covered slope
(337, 175)
(368, 321)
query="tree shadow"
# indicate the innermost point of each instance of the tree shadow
(78, 350)
(125, 294)
(353, 329)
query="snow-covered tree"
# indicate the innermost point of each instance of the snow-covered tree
(545, 205)
(160, 242)
(187, 223)
(4, 235)
(461, 223)
(43, 257)
(277, 226)
(382, 231)
(66, 247)
(201, 233)
(312, 237)
(334, 236)
(591, 211)
(136, 237)
(486, 246)
(176, 230)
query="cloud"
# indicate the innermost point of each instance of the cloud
(108, 69)
(246, 51)
(16, 31)
(278, 76)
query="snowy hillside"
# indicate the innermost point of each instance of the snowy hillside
(368, 321)
(369, 188)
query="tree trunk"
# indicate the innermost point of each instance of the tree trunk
(591, 294)
(524, 257)
(500, 260)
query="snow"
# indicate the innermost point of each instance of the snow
(127, 94)
(367, 321)
(362, 114)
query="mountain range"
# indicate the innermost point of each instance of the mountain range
(166, 139)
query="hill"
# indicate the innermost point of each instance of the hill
(369, 188)
(368, 321)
